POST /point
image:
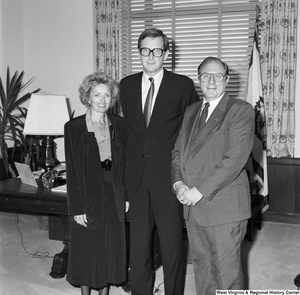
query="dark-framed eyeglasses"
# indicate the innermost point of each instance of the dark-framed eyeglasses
(157, 52)
(205, 77)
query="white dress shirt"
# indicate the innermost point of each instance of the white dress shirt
(146, 85)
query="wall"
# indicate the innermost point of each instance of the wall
(297, 96)
(11, 36)
(51, 40)
(58, 45)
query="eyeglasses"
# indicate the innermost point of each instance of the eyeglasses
(205, 77)
(157, 52)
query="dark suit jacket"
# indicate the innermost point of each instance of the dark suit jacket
(214, 162)
(152, 147)
(85, 186)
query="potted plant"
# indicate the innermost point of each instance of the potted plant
(12, 115)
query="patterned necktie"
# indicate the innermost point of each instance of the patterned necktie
(203, 115)
(148, 103)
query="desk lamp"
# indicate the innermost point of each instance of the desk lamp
(46, 116)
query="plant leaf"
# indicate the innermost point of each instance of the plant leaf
(12, 114)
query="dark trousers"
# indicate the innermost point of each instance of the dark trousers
(216, 255)
(147, 209)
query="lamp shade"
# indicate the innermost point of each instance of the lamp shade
(47, 115)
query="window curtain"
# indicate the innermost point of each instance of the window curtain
(107, 23)
(278, 58)
(196, 29)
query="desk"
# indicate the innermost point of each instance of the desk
(14, 195)
(18, 196)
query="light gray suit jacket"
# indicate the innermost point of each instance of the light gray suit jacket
(214, 161)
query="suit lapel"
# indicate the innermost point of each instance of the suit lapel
(115, 145)
(192, 124)
(92, 151)
(137, 110)
(212, 122)
(162, 99)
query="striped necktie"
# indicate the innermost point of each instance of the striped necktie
(203, 115)
(148, 102)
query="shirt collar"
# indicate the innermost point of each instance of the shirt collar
(214, 103)
(89, 122)
(157, 77)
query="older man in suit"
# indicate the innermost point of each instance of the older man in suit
(153, 103)
(209, 178)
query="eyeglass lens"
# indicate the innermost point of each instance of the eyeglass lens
(207, 76)
(157, 52)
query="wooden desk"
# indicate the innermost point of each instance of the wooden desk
(14, 195)
(18, 196)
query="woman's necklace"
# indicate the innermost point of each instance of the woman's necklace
(102, 123)
(99, 122)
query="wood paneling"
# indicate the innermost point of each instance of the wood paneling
(284, 185)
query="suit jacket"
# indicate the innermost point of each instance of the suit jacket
(85, 187)
(214, 161)
(151, 148)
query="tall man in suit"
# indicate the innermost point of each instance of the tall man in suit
(210, 180)
(152, 134)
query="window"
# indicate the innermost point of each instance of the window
(196, 29)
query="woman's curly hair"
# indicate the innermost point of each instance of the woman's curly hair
(92, 80)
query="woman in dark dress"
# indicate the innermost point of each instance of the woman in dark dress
(95, 160)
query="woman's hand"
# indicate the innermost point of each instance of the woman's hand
(81, 219)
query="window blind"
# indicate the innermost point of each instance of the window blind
(196, 29)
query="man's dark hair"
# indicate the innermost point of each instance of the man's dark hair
(154, 33)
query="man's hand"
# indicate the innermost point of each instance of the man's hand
(180, 187)
(190, 197)
(81, 219)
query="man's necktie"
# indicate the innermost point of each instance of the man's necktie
(148, 103)
(203, 115)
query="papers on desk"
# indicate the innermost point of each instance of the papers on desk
(61, 169)
(61, 188)
(63, 175)
(25, 174)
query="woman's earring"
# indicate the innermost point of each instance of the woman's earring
(89, 103)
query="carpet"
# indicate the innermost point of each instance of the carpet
(270, 261)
